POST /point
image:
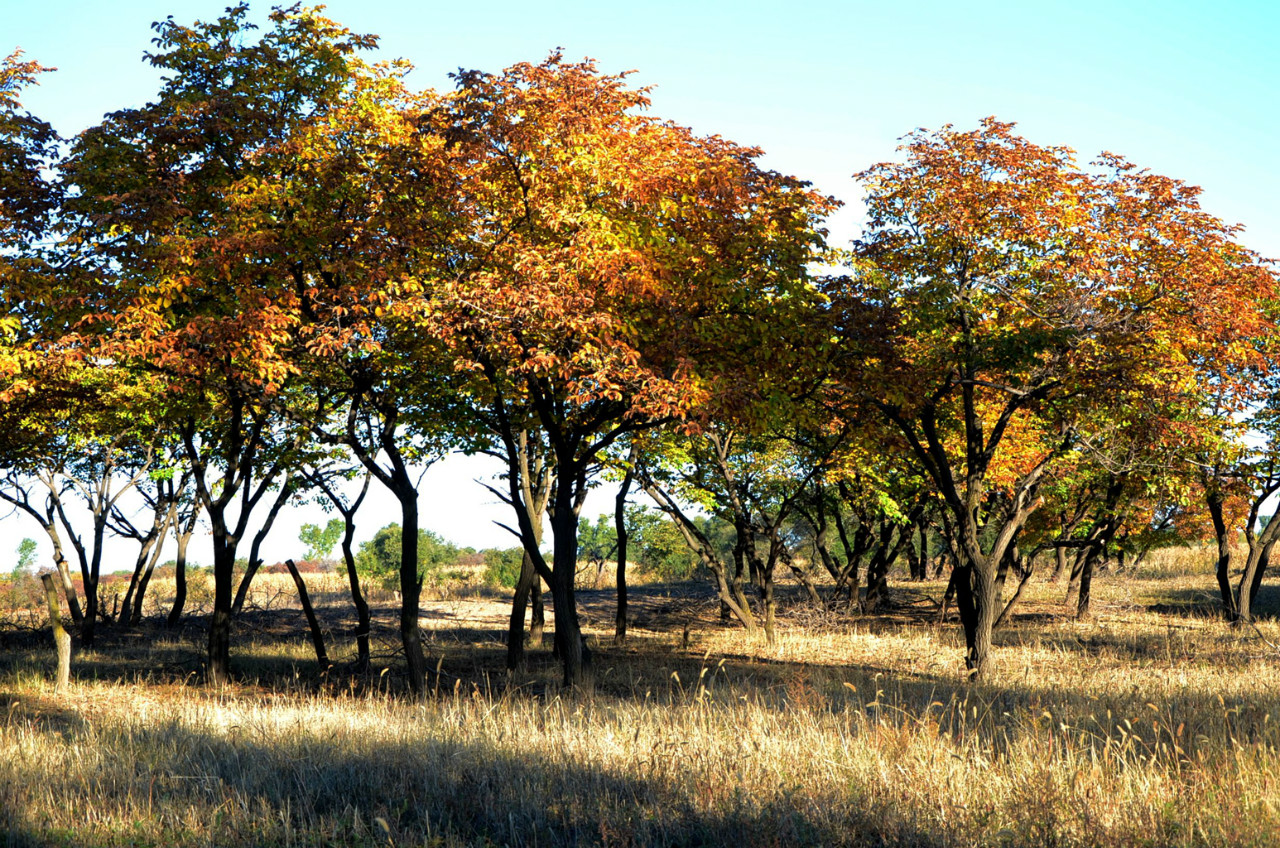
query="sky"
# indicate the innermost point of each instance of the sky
(826, 89)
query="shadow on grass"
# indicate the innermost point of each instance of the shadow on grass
(1207, 603)
(433, 790)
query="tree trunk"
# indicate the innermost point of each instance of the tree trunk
(924, 550)
(1002, 572)
(538, 613)
(802, 576)
(519, 605)
(1027, 570)
(317, 638)
(1223, 570)
(410, 586)
(286, 492)
(224, 555)
(357, 596)
(1251, 579)
(620, 530)
(948, 595)
(1059, 563)
(770, 605)
(61, 638)
(574, 655)
(180, 571)
(136, 618)
(148, 554)
(975, 598)
(1086, 583)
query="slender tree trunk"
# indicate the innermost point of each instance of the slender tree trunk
(357, 596)
(89, 626)
(765, 575)
(1077, 569)
(924, 550)
(948, 595)
(69, 590)
(1059, 563)
(1002, 572)
(126, 608)
(317, 637)
(1027, 570)
(180, 570)
(519, 605)
(286, 492)
(620, 530)
(410, 586)
(148, 553)
(1092, 554)
(1223, 568)
(136, 618)
(802, 576)
(1256, 583)
(538, 614)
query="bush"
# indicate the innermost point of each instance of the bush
(658, 544)
(378, 559)
(502, 566)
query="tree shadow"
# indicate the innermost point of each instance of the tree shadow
(429, 790)
(1207, 603)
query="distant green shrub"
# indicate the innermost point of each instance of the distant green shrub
(378, 560)
(502, 566)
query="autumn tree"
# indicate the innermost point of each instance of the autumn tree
(192, 284)
(1018, 291)
(607, 256)
(29, 201)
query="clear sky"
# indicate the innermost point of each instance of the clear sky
(825, 88)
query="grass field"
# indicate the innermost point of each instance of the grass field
(1152, 724)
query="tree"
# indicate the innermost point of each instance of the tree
(320, 541)
(1015, 293)
(597, 543)
(26, 556)
(29, 201)
(326, 479)
(171, 194)
(605, 258)
(379, 558)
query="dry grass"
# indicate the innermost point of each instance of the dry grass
(1153, 724)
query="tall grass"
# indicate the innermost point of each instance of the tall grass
(1139, 727)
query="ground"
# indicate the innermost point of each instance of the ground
(1153, 723)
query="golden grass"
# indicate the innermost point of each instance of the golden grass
(1153, 724)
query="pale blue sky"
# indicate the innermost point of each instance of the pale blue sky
(826, 88)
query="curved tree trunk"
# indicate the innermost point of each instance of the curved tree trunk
(282, 497)
(519, 606)
(1223, 566)
(1027, 568)
(180, 569)
(357, 596)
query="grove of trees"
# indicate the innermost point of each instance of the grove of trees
(291, 276)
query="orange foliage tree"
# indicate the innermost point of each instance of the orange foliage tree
(192, 284)
(1010, 282)
(611, 269)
